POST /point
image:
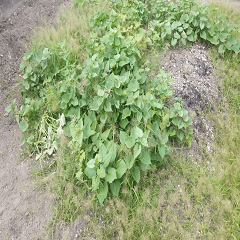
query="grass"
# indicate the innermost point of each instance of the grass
(185, 198)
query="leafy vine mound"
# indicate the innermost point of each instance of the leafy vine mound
(117, 121)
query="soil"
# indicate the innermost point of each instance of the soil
(24, 209)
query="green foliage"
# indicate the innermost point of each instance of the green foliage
(127, 124)
(121, 120)
(184, 20)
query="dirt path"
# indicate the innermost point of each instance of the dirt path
(23, 210)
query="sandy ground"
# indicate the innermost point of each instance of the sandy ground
(24, 210)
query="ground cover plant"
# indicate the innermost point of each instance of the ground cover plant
(90, 105)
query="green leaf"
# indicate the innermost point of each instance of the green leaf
(107, 106)
(45, 54)
(203, 35)
(63, 105)
(100, 92)
(223, 37)
(168, 29)
(74, 112)
(95, 183)
(185, 117)
(122, 63)
(214, 40)
(115, 187)
(124, 123)
(123, 137)
(91, 163)
(103, 117)
(133, 85)
(103, 191)
(87, 121)
(126, 113)
(107, 160)
(130, 141)
(163, 35)
(117, 41)
(129, 161)
(106, 69)
(79, 137)
(202, 25)
(30, 139)
(211, 32)
(103, 151)
(184, 35)
(74, 101)
(180, 135)
(228, 45)
(233, 40)
(180, 29)
(87, 132)
(175, 24)
(173, 42)
(137, 150)
(146, 159)
(23, 126)
(136, 132)
(184, 18)
(112, 150)
(145, 167)
(105, 134)
(155, 128)
(139, 116)
(111, 175)
(136, 173)
(66, 97)
(97, 101)
(90, 172)
(121, 168)
(27, 55)
(189, 31)
(183, 40)
(101, 172)
(162, 150)
(22, 141)
(176, 35)
(190, 38)
(9, 108)
(236, 48)
(144, 141)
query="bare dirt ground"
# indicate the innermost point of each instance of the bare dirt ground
(24, 210)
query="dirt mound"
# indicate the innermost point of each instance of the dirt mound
(194, 82)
